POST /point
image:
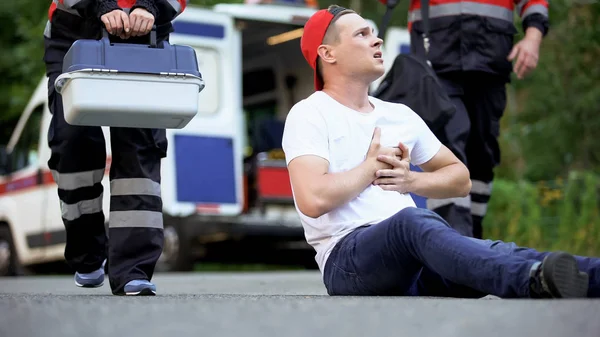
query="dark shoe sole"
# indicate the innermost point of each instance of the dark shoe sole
(89, 285)
(143, 292)
(562, 277)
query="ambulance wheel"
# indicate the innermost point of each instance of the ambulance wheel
(176, 250)
(8, 253)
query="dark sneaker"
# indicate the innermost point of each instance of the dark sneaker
(558, 276)
(94, 279)
(140, 288)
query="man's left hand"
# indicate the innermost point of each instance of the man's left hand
(399, 178)
(527, 52)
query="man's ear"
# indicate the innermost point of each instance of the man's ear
(326, 53)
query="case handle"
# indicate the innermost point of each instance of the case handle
(105, 36)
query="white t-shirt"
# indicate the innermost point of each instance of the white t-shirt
(321, 126)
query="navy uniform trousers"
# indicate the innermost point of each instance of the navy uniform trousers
(472, 135)
(78, 163)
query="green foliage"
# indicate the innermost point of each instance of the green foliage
(551, 131)
(548, 215)
(21, 62)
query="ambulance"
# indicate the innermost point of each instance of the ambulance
(225, 188)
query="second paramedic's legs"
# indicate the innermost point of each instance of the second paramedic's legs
(485, 100)
(77, 162)
(135, 220)
(456, 211)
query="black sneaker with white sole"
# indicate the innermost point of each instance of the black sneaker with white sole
(558, 276)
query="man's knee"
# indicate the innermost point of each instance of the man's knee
(414, 212)
(498, 245)
(504, 247)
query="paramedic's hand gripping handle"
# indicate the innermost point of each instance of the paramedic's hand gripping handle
(139, 23)
(152, 36)
(116, 23)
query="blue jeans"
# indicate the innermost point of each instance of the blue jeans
(415, 252)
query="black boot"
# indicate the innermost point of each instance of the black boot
(558, 276)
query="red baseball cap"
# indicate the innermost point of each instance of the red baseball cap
(312, 37)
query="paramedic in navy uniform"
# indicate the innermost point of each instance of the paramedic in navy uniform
(78, 159)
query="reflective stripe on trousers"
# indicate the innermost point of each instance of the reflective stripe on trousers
(480, 196)
(436, 203)
(74, 186)
(133, 189)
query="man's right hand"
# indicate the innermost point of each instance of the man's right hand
(376, 149)
(116, 23)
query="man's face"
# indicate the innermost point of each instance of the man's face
(359, 50)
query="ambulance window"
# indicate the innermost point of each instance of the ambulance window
(208, 64)
(26, 151)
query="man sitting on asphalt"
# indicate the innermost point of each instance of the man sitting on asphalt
(349, 156)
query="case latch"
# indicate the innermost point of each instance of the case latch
(173, 75)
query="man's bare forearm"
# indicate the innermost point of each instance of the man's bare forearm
(335, 189)
(448, 182)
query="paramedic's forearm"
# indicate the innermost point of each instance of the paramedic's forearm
(534, 33)
(148, 5)
(447, 182)
(106, 6)
(335, 189)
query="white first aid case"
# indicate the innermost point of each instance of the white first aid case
(130, 85)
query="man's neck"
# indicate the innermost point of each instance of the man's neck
(354, 96)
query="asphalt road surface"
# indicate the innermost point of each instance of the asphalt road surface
(272, 304)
